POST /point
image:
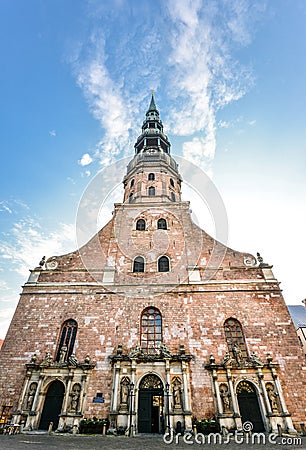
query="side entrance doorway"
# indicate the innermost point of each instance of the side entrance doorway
(151, 416)
(52, 406)
(249, 406)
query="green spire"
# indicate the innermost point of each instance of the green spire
(152, 106)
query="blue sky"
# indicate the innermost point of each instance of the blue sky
(75, 83)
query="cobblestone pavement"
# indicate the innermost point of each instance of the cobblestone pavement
(140, 442)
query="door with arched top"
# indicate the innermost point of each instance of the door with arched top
(52, 406)
(150, 405)
(249, 405)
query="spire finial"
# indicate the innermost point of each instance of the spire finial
(152, 106)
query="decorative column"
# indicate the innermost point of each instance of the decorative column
(131, 425)
(278, 391)
(187, 406)
(185, 388)
(32, 422)
(167, 394)
(68, 380)
(285, 414)
(35, 401)
(264, 391)
(132, 394)
(115, 387)
(217, 392)
(24, 391)
(83, 392)
(234, 400)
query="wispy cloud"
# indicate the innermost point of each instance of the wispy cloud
(28, 241)
(52, 133)
(5, 207)
(205, 77)
(106, 103)
(187, 53)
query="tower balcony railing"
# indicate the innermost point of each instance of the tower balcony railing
(156, 154)
(152, 131)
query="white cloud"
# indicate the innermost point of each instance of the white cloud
(205, 77)
(185, 53)
(27, 242)
(224, 124)
(52, 133)
(3, 285)
(106, 103)
(4, 207)
(85, 160)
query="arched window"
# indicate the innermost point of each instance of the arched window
(132, 182)
(173, 196)
(163, 264)
(141, 224)
(151, 190)
(235, 340)
(67, 340)
(151, 176)
(138, 264)
(131, 197)
(151, 329)
(171, 182)
(161, 224)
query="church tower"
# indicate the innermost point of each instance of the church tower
(152, 175)
(145, 327)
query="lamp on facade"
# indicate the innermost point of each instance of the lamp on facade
(168, 406)
(132, 386)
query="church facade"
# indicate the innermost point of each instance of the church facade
(143, 327)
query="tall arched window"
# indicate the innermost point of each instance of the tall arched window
(161, 224)
(67, 340)
(235, 340)
(163, 264)
(173, 196)
(141, 224)
(171, 182)
(151, 177)
(151, 190)
(132, 182)
(138, 264)
(131, 197)
(151, 329)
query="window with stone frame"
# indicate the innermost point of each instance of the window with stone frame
(140, 224)
(151, 330)
(67, 340)
(151, 191)
(163, 264)
(161, 224)
(151, 177)
(235, 339)
(138, 264)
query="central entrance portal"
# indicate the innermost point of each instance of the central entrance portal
(248, 405)
(151, 405)
(52, 406)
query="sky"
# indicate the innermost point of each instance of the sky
(75, 83)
